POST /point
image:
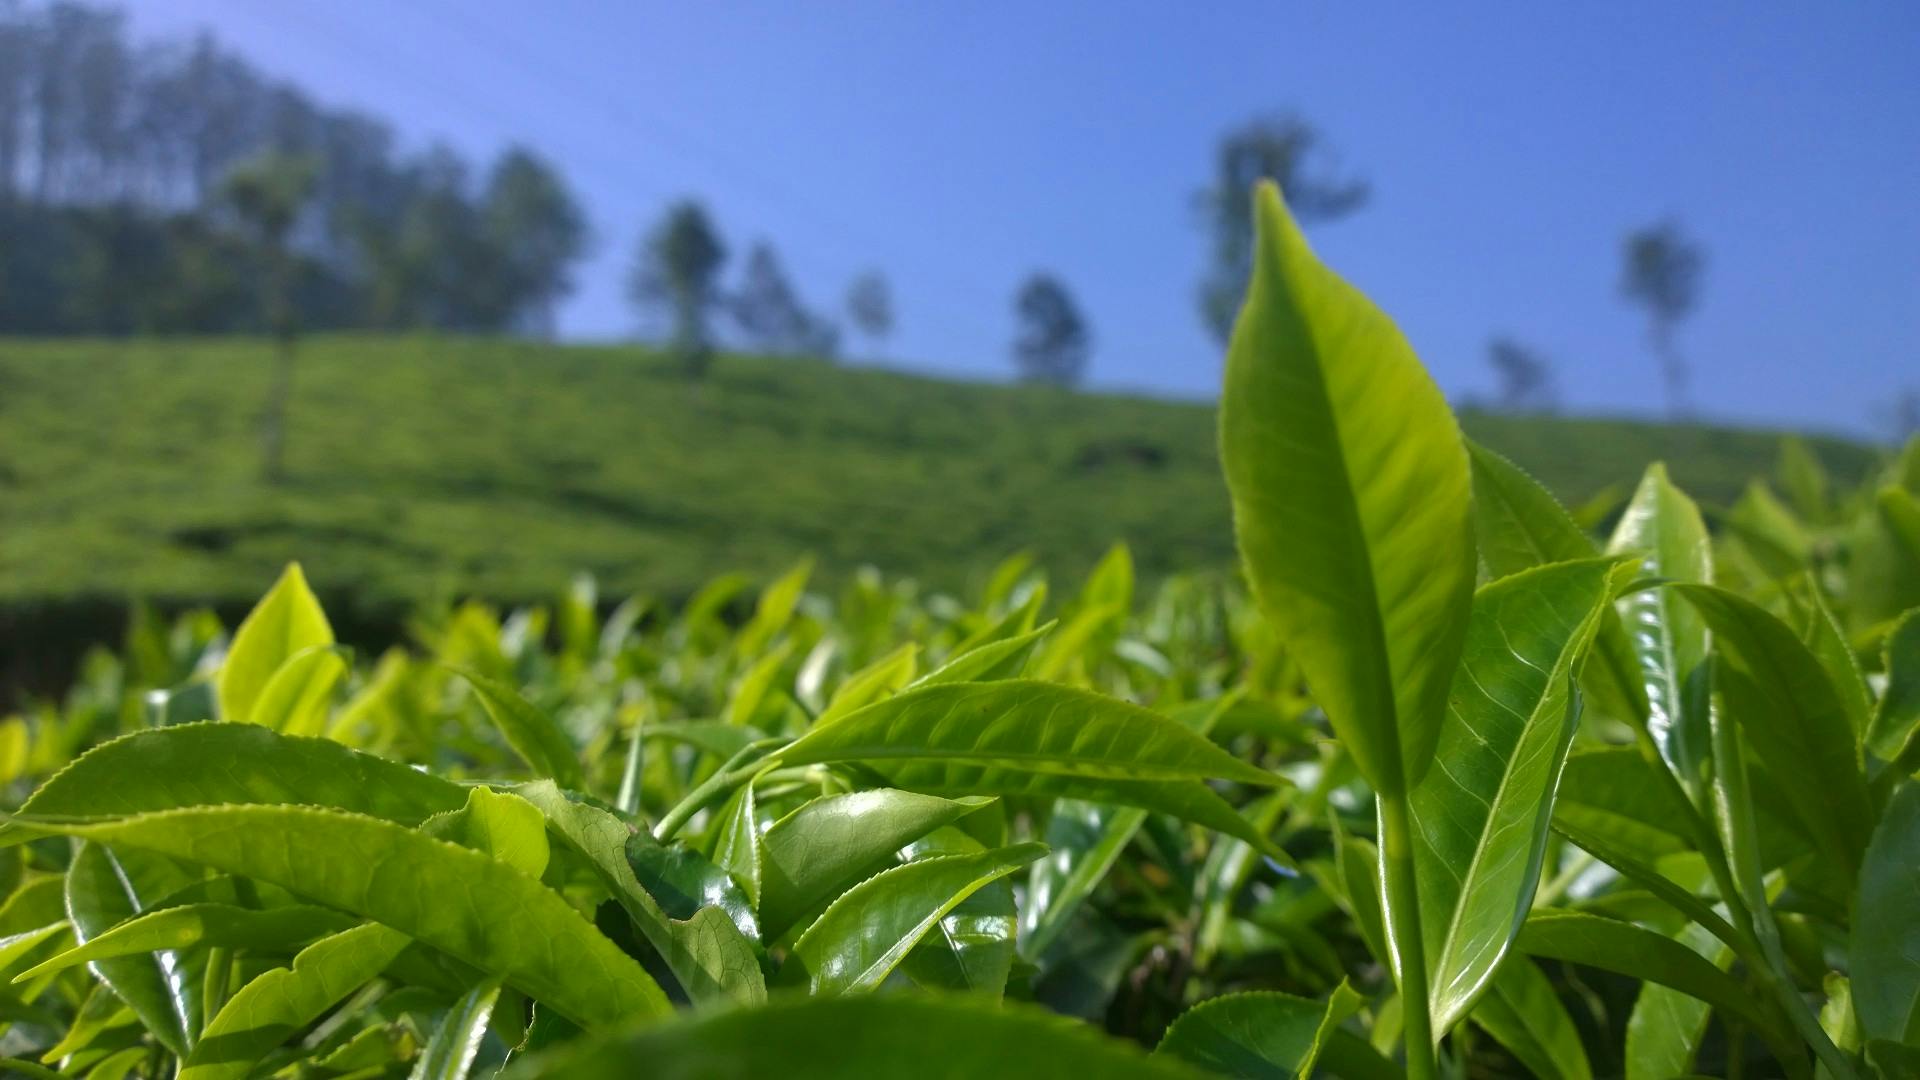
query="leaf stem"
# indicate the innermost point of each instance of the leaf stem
(738, 769)
(1403, 927)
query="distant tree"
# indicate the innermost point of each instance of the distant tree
(267, 195)
(1903, 416)
(766, 308)
(870, 307)
(678, 270)
(1661, 272)
(1053, 340)
(1290, 151)
(1526, 377)
(540, 231)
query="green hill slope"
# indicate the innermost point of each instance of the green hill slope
(426, 467)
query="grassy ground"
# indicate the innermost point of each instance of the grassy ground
(431, 466)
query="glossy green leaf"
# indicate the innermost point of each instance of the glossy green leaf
(1884, 953)
(499, 824)
(832, 843)
(534, 735)
(1780, 695)
(684, 882)
(1669, 638)
(285, 621)
(876, 1037)
(707, 953)
(972, 948)
(1481, 814)
(192, 765)
(1260, 1034)
(1519, 525)
(1351, 501)
(1524, 1015)
(462, 902)
(273, 1007)
(450, 1053)
(1083, 840)
(294, 700)
(1020, 724)
(872, 683)
(101, 894)
(866, 933)
(189, 925)
(1638, 953)
(1895, 732)
(736, 849)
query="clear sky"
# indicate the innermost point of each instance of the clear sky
(958, 146)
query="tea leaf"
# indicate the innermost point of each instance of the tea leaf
(286, 621)
(1885, 950)
(532, 733)
(1257, 1034)
(450, 1053)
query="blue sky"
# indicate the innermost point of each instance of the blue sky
(959, 146)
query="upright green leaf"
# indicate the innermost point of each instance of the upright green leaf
(873, 1036)
(462, 902)
(1780, 695)
(1524, 1015)
(1002, 658)
(1638, 953)
(449, 1054)
(1084, 840)
(1481, 815)
(866, 933)
(1351, 501)
(1894, 735)
(774, 610)
(832, 843)
(1519, 525)
(1885, 951)
(873, 682)
(534, 735)
(285, 621)
(1262, 1034)
(100, 895)
(273, 1007)
(1665, 529)
(294, 700)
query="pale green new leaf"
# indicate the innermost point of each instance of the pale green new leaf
(534, 735)
(872, 683)
(862, 936)
(1885, 950)
(1004, 658)
(279, 1003)
(1663, 526)
(286, 621)
(1481, 815)
(1351, 501)
(464, 903)
(183, 927)
(1263, 1034)
(294, 700)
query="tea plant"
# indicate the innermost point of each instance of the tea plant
(1456, 790)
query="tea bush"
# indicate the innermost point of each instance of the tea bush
(1453, 788)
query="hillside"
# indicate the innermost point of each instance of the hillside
(432, 466)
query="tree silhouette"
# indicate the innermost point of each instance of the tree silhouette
(267, 194)
(870, 307)
(532, 220)
(1661, 272)
(1053, 340)
(1288, 150)
(678, 269)
(1526, 377)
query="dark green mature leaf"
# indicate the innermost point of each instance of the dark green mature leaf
(1665, 1027)
(285, 621)
(1895, 733)
(875, 1037)
(534, 735)
(1481, 814)
(736, 849)
(1520, 525)
(183, 927)
(1351, 500)
(1524, 1015)
(102, 894)
(1885, 950)
(1823, 637)
(1259, 1034)
(1629, 950)
(449, 1054)
(1615, 794)
(271, 1008)
(464, 903)
(1083, 840)
(866, 933)
(1786, 705)
(708, 954)
(684, 881)
(193, 765)
(1664, 527)
(1021, 724)
(972, 948)
(834, 842)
